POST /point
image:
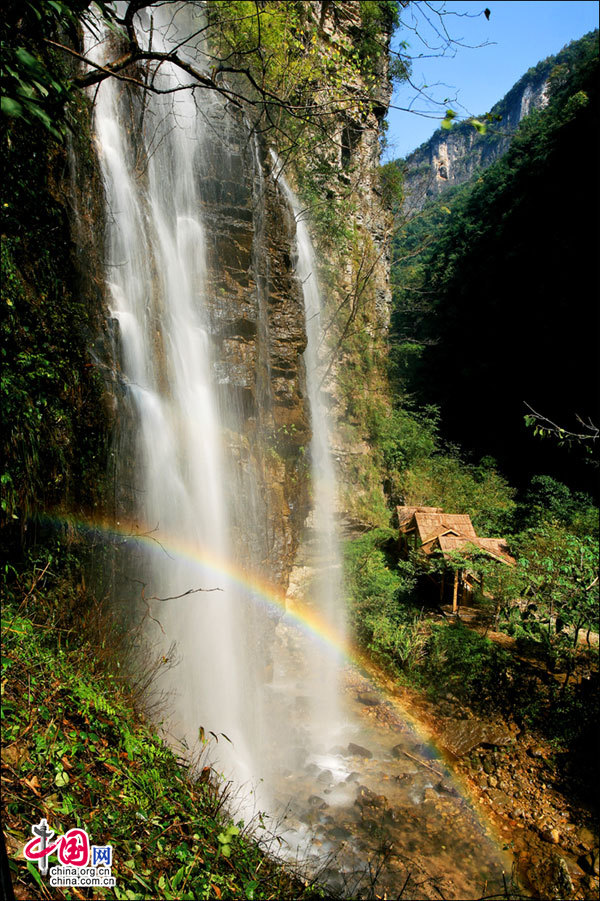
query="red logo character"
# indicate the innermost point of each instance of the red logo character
(74, 848)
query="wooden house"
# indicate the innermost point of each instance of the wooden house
(429, 529)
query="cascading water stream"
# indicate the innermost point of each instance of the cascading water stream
(326, 589)
(176, 475)
(174, 459)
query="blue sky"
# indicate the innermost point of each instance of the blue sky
(519, 34)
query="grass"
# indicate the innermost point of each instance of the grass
(76, 751)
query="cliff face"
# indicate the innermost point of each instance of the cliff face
(358, 150)
(257, 323)
(55, 407)
(355, 265)
(256, 308)
(452, 157)
(262, 348)
(256, 314)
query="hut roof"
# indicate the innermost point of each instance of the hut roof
(405, 514)
(448, 532)
(448, 542)
(430, 525)
(498, 547)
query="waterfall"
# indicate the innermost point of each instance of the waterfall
(326, 592)
(157, 279)
(185, 477)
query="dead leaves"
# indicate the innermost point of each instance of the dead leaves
(33, 784)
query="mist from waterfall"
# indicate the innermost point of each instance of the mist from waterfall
(176, 479)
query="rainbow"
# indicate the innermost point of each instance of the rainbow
(259, 590)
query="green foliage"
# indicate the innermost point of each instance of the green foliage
(413, 304)
(584, 439)
(313, 80)
(548, 500)
(379, 592)
(403, 437)
(556, 575)
(391, 184)
(419, 470)
(487, 677)
(445, 480)
(465, 663)
(53, 439)
(448, 119)
(37, 80)
(378, 20)
(81, 756)
(51, 399)
(330, 212)
(287, 53)
(226, 838)
(34, 86)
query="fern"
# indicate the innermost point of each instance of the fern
(92, 698)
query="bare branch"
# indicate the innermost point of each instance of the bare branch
(185, 594)
(547, 426)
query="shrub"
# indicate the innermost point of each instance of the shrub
(380, 590)
(465, 663)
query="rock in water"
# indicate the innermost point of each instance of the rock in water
(366, 798)
(358, 751)
(325, 777)
(562, 883)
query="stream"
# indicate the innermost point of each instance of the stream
(372, 808)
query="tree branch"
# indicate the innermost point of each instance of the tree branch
(541, 422)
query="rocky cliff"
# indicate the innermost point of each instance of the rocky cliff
(354, 253)
(257, 323)
(255, 300)
(452, 157)
(257, 316)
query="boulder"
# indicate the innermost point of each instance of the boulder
(358, 751)
(369, 698)
(461, 737)
(366, 798)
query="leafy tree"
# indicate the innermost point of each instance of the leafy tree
(380, 590)
(270, 59)
(37, 83)
(447, 481)
(557, 577)
(547, 500)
